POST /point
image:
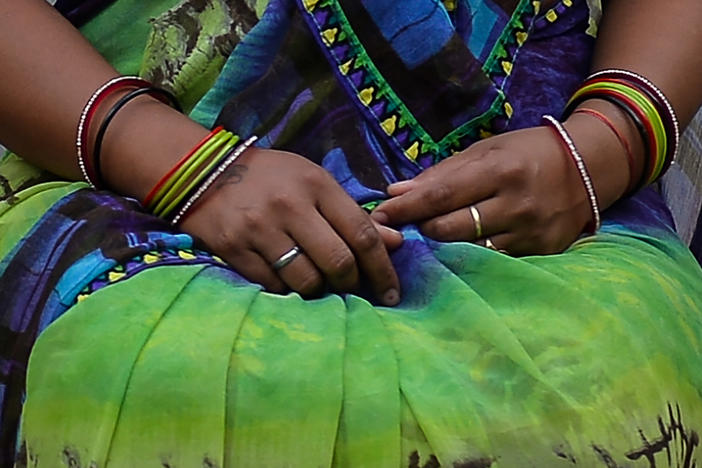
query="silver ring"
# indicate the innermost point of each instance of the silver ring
(287, 258)
(475, 214)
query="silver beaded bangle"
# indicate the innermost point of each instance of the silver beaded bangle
(580, 165)
(84, 116)
(212, 178)
(657, 91)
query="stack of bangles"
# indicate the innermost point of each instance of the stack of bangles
(177, 191)
(649, 110)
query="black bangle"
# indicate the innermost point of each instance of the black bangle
(632, 115)
(161, 94)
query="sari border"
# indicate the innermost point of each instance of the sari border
(381, 104)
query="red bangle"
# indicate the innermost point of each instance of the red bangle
(652, 141)
(86, 117)
(622, 140)
(180, 163)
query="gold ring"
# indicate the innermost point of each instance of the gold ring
(490, 245)
(475, 214)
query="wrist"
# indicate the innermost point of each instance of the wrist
(143, 143)
(613, 171)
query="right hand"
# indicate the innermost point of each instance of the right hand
(271, 201)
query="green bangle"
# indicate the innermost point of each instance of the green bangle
(193, 161)
(178, 198)
(647, 108)
(181, 179)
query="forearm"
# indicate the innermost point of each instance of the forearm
(660, 40)
(657, 40)
(49, 73)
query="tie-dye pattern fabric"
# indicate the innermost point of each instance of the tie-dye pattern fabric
(153, 353)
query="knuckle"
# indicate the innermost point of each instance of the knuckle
(314, 178)
(341, 262)
(309, 283)
(438, 194)
(366, 237)
(226, 240)
(254, 220)
(526, 209)
(439, 229)
(512, 171)
(282, 201)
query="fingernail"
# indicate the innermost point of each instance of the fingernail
(391, 297)
(399, 185)
(380, 217)
(391, 230)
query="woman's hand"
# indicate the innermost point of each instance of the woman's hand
(527, 192)
(272, 201)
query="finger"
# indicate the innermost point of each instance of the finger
(516, 244)
(327, 250)
(255, 269)
(300, 274)
(443, 193)
(398, 188)
(469, 223)
(360, 234)
(500, 243)
(391, 238)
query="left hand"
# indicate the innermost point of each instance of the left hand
(525, 187)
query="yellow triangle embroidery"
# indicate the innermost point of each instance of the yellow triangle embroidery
(568, 3)
(186, 255)
(484, 134)
(521, 38)
(345, 67)
(366, 96)
(413, 151)
(507, 67)
(509, 110)
(551, 16)
(329, 35)
(82, 297)
(450, 5)
(218, 259)
(149, 259)
(537, 5)
(114, 277)
(390, 125)
(310, 4)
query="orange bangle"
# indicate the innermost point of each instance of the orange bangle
(622, 140)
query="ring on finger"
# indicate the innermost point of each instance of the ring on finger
(287, 258)
(491, 245)
(477, 223)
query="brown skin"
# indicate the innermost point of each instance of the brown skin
(528, 193)
(530, 201)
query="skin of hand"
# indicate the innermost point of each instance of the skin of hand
(524, 185)
(270, 201)
(527, 192)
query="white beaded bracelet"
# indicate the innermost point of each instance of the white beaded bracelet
(238, 151)
(81, 135)
(580, 165)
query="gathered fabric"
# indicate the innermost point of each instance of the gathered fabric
(128, 344)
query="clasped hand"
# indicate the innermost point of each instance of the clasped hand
(529, 197)
(527, 194)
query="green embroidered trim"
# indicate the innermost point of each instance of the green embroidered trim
(395, 119)
(500, 61)
(376, 92)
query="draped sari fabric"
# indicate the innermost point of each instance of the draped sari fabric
(152, 352)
